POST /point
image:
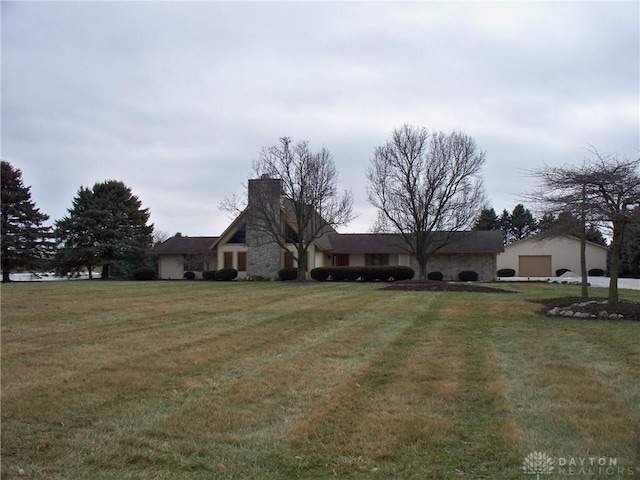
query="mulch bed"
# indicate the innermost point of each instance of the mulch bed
(433, 286)
(628, 309)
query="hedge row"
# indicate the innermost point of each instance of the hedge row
(365, 274)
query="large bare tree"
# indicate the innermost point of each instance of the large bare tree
(426, 187)
(605, 189)
(310, 203)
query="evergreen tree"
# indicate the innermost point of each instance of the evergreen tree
(487, 220)
(25, 240)
(105, 224)
(522, 223)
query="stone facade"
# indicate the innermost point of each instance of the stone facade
(264, 255)
(484, 264)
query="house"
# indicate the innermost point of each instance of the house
(542, 257)
(247, 250)
(179, 254)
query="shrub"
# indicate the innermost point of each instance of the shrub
(506, 272)
(596, 272)
(209, 275)
(561, 271)
(365, 274)
(144, 273)
(467, 276)
(289, 273)
(226, 274)
(437, 276)
(189, 276)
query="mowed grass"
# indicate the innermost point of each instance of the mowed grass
(189, 380)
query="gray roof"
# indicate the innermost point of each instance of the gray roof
(460, 242)
(185, 245)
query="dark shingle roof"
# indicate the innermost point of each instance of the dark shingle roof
(184, 245)
(460, 242)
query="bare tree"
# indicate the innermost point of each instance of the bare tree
(563, 190)
(603, 188)
(426, 186)
(307, 201)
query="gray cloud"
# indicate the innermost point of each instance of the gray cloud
(176, 99)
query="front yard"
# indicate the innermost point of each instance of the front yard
(188, 380)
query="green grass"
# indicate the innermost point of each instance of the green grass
(188, 380)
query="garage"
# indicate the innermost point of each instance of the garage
(534, 265)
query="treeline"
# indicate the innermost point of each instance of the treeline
(521, 223)
(105, 228)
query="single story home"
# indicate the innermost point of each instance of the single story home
(542, 257)
(178, 255)
(241, 248)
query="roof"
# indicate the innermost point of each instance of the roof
(460, 242)
(184, 245)
(544, 238)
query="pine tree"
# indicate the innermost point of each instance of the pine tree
(105, 224)
(487, 220)
(25, 240)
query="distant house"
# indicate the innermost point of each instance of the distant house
(542, 257)
(239, 247)
(179, 254)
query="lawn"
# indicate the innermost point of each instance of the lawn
(190, 380)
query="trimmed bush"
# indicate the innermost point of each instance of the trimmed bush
(468, 276)
(209, 275)
(226, 274)
(506, 272)
(365, 274)
(561, 271)
(144, 274)
(437, 276)
(289, 273)
(189, 276)
(596, 272)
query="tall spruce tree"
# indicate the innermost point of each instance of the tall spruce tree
(25, 240)
(105, 224)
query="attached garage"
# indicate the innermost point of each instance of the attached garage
(534, 265)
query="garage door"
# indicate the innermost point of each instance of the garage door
(534, 265)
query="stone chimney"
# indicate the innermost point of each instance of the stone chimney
(264, 256)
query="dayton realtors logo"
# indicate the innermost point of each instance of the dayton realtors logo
(539, 463)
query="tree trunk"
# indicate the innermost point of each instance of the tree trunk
(105, 271)
(614, 250)
(5, 276)
(302, 263)
(583, 266)
(583, 245)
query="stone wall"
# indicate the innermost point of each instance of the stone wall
(484, 264)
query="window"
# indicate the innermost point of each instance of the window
(240, 236)
(242, 261)
(375, 259)
(341, 260)
(290, 235)
(228, 259)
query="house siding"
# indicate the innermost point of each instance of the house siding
(171, 267)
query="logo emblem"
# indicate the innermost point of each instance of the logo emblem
(537, 463)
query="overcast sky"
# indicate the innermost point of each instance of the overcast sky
(176, 99)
